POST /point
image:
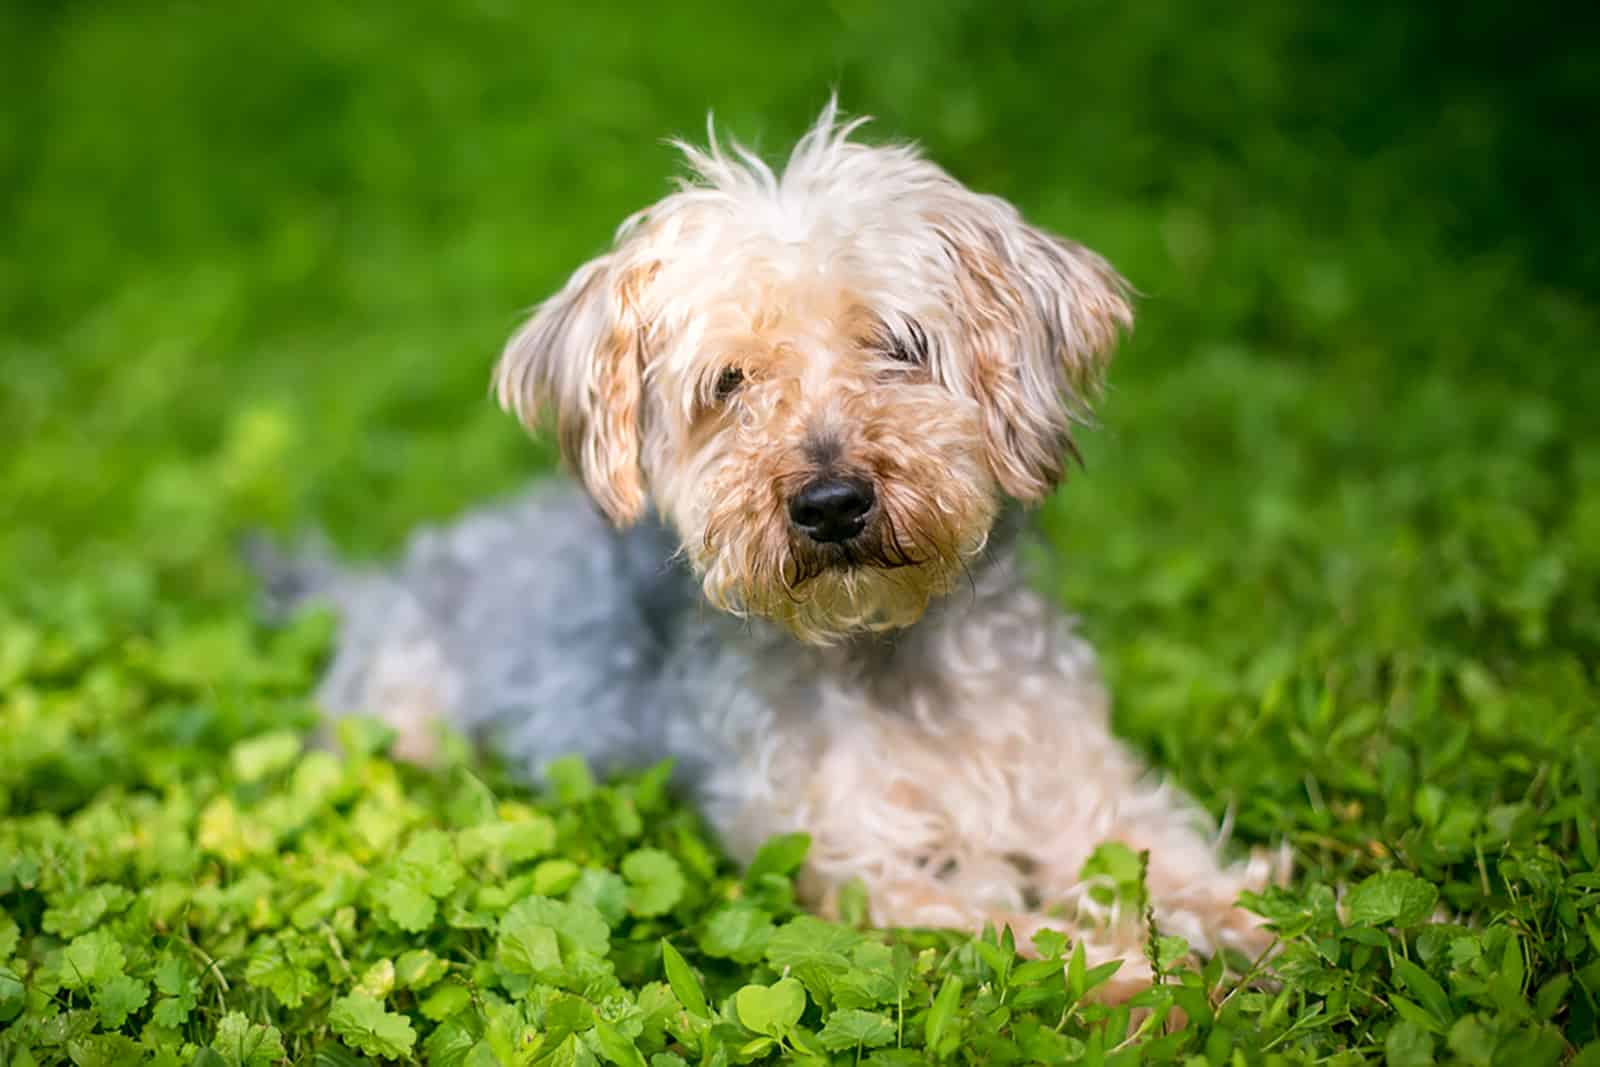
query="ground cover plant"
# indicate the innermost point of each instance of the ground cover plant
(1337, 535)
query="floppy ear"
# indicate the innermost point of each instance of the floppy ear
(1041, 315)
(582, 354)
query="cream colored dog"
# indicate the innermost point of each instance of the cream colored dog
(837, 384)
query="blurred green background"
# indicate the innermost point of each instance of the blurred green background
(257, 260)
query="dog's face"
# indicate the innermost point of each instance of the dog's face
(827, 380)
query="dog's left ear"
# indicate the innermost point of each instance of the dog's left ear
(582, 355)
(1042, 315)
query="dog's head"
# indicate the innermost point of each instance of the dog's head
(827, 379)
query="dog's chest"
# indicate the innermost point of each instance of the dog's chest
(929, 731)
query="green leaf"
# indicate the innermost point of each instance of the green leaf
(452, 1044)
(419, 969)
(874, 977)
(171, 1012)
(614, 1047)
(771, 1010)
(361, 736)
(119, 998)
(657, 1008)
(1397, 898)
(814, 951)
(685, 986)
(624, 813)
(445, 1000)
(942, 1012)
(1035, 971)
(176, 979)
(807, 940)
(563, 1013)
(605, 891)
(740, 932)
(579, 926)
(997, 959)
(552, 878)
(1100, 974)
(1472, 1042)
(266, 755)
(507, 843)
(429, 862)
(406, 905)
(1415, 1014)
(1423, 986)
(682, 981)
(1169, 950)
(1077, 976)
(92, 959)
(529, 948)
(853, 905)
(655, 881)
(1552, 995)
(104, 1050)
(1512, 970)
(781, 855)
(79, 912)
(175, 976)
(12, 994)
(1050, 944)
(755, 1048)
(364, 1024)
(285, 966)
(1408, 1045)
(426, 870)
(242, 1043)
(569, 1052)
(852, 1027)
(378, 979)
(1116, 870)
(570, 778)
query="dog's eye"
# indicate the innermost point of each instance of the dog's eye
(728, 382)
(909, 346)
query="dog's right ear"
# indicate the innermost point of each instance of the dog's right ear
(581, 355)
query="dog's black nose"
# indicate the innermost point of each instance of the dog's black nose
(830, 510)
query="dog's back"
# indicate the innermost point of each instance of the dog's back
(533, 626)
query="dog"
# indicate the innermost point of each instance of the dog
(807, 407)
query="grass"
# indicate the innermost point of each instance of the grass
(1337, 537)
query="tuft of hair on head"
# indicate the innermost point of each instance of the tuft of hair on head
(737, 168)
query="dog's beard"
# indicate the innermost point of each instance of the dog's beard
(880, 547)
(822, 593)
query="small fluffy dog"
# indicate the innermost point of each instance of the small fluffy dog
(837, 385)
